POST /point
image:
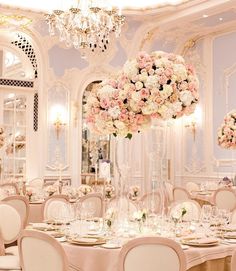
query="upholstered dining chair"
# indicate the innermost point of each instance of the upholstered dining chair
(151, 201)
(21, 204)
(10, 229)
(233, 261)
(225, 198)
(10, 188)
(36, 183)
(40, 251)
(191, 186)
(233, 216)
(93, 202)
(193, 209)
(180, 193)
(152, 254)
(124, 204)
(54, 207)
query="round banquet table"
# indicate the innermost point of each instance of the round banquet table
(85, 258)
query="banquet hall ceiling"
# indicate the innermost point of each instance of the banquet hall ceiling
(45, 5)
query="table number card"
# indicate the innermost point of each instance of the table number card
(104, 169)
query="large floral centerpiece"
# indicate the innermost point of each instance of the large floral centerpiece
(161, 85)
(227, 131)
(157, 85)
(108, 111)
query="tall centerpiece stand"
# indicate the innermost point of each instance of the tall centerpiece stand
(158, 86)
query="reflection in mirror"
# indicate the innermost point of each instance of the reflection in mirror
(94, 148)
(12, 66)
(14, 121)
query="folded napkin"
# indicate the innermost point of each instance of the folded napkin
(230, 227)
(206, 240)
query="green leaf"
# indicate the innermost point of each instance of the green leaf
(114, 134)
(129, 136)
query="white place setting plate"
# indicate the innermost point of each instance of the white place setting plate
(110, 246)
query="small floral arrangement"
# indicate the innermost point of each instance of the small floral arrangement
(109, 191)
(140, 215)
(179, 214)
(227, 131)
(29, 193)
(226, 181)
(110, 217)
(51, 189)
(85, 189)
(134, 192)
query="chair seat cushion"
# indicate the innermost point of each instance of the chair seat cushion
(12, 251)
(9, 262)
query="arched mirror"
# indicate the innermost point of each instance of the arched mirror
(94, 148)
(16, 105)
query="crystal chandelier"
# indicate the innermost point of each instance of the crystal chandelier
(88, 24)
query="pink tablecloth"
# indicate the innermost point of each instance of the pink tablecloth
(35, 212)
(100, 259)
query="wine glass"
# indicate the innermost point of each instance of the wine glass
(206, 214)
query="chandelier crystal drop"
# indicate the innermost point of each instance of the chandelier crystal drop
(88, 24)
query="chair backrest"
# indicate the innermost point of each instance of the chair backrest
(152, 254)
(191, 186)
(233, 216)
(21, 204)
(36, 182)
(10, 188)
(152, 202)
(124, 204)
(54, 206)
(169, 189)
(233, 261)
(193, 209)
(39, 251)
(180, 193)
(10, 223)
(225, 198)
(93, 203)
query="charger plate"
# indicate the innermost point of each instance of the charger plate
(200, 242)
(86, 241)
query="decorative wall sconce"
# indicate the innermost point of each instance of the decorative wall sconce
(193, 121)
(59, 118)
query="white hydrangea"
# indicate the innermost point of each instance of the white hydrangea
(152, 82)
(114, 112)
(131, 68)
(180, 71)
(166, 92)
(106, 91)
(136, 96)
(150, 108)
(138, 85)
(186, 97)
